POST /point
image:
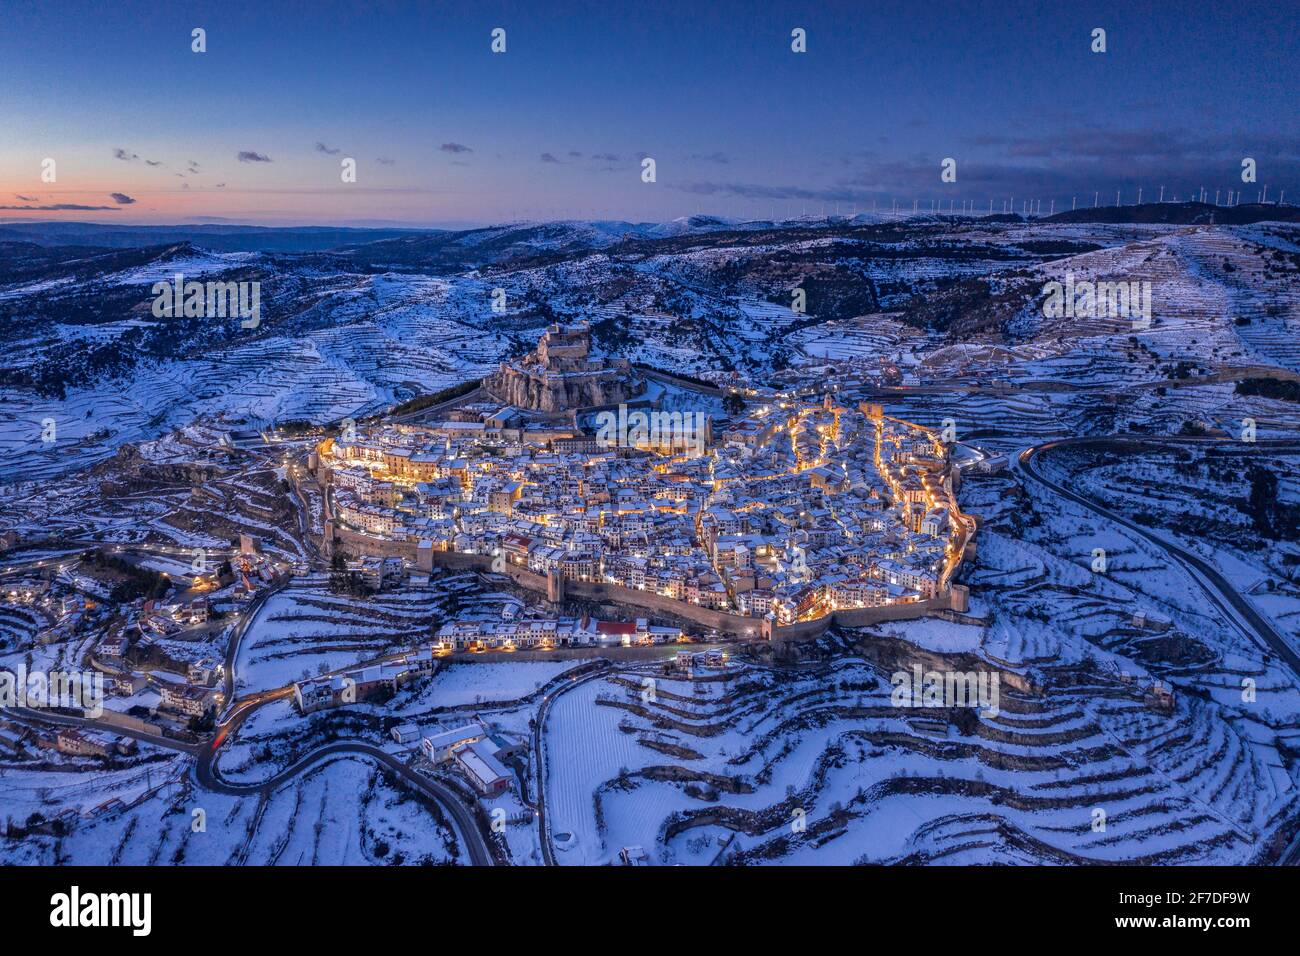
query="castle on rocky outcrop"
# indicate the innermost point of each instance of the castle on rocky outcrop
(562, 374)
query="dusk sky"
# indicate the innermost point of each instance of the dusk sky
(444, 131)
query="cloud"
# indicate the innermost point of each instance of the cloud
(249, 156)
(126, 156)
(328, 150)
(574, 154)
(605, 157)
(58, 207)
(221, 185)
(122, 199)
(1062, 163)
(710, 157)
(193, 166)
(548, 158)
(1083, 159)
(455, 148)
(385, 161)
(23, 198)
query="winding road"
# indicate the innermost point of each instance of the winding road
(539, 754)
(446, 798)
(207, 751)
(1217, 588)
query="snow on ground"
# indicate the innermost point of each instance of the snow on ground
(685, 773)
(340, 813)
(475, 682)
(303, 631)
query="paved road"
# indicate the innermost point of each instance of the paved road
(471, 396)
(242, 709)
(669, 378)
(159, 550)
(90, 723)
(77, 546)
(248, 615)
(1217, 588)
(1291, 855)
(206, 753)
(539, 757)
(448, 799)
(1049, 385)
(302, 510)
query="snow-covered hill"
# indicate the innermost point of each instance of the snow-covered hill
(370, 324)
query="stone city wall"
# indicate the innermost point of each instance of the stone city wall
(357, 543)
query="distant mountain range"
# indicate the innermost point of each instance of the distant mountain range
(221, 238)
(1184, 214)
(434, 247)
(355, 320)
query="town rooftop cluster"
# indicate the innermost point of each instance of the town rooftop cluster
(799, 508)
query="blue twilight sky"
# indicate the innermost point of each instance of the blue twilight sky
(444, 131)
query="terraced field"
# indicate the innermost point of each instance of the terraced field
(304, 630)
(19, 625)
(718, 770)
(340, 813)
(1080, 762)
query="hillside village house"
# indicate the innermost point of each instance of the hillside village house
(355, 686)
(190, 700)
(473, 634)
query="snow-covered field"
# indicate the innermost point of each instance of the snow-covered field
(783, 761)
(305, 630)
(344, 812)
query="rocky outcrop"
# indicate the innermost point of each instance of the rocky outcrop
(544, 392)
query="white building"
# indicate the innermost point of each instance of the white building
(438, 748)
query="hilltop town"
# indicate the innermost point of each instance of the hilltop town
(794, 510)
(595, 594)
